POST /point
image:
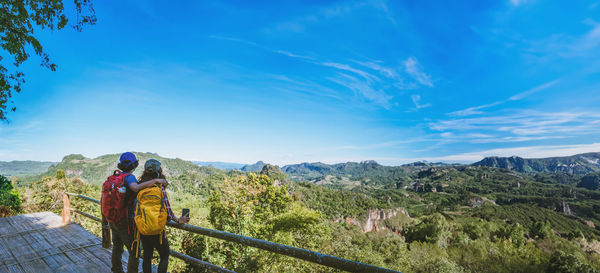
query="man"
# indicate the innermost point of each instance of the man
(123, 231)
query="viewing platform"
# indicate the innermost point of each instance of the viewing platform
(41, 242)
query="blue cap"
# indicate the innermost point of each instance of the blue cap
(128, 156)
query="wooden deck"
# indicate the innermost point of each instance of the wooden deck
(40, 242)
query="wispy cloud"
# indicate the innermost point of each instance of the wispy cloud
(305, 87)
(363, 88)
(566, 45)
(520, 127)
(540, 151)
(388, 72)
(413, 68)
(337, 10)
(348, 68)
(475, 110)
(533, 90)
(367, 80)
(289, 54)
(517, 3)
(416, 99)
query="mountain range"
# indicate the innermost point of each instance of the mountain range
(580, 164)
(350, 173)
(95, 170)
(24, 168)
(220, 165)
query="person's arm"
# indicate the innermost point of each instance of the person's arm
(140, 186)
(170, 215)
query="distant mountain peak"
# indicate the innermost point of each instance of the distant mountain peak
(256, 167)
(369, 162)
(576, 164)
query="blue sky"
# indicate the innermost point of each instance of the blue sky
(331, 81)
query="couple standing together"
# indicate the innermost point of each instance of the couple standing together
(125, 231)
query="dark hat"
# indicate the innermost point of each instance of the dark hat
(152, 166)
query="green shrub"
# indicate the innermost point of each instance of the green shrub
(10, 199)
(561, 262)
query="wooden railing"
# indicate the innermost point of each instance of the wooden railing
(299, 253)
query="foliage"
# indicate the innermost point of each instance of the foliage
(10, 199)
(253, 206)
(590, 181)
(541, 230)
(273, 172)
(432, 229)
(46, 194)
(19, 20)
(568, 263)
(515, 233)
(498, 256)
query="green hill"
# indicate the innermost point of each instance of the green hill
(349, 174)
(95, 171)
(24, 168)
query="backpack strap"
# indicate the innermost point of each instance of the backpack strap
(136, 242)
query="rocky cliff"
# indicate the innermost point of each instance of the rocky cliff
(375, 219)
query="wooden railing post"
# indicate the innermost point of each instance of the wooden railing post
(66, 211)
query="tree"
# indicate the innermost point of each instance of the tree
(541, 230)
(18, 19)
(515, 233)
(590, 181)
(567, 263)
(432, 229)
(10, 201)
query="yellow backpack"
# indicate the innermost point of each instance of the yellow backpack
(150, 213)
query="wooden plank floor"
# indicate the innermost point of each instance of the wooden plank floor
(40, 242)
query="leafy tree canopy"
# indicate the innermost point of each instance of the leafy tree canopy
(10, 200)
(18, 20)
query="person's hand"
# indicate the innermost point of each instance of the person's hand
(162, 181)
(183, 219)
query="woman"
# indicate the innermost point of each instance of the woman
(152, 170)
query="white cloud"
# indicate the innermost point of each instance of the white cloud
(475, 109)
(534, 90)
(525, 152)
(388, 72)
(412, 67)
(346, 67)
(416, 99)
(565, 45)
(363, 88)
(370, 86)
(289, 54)
(520, 126)
(517, 3)
(317, 16)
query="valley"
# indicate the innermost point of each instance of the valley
(419, 217)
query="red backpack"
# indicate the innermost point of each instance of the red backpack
(112, 200)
